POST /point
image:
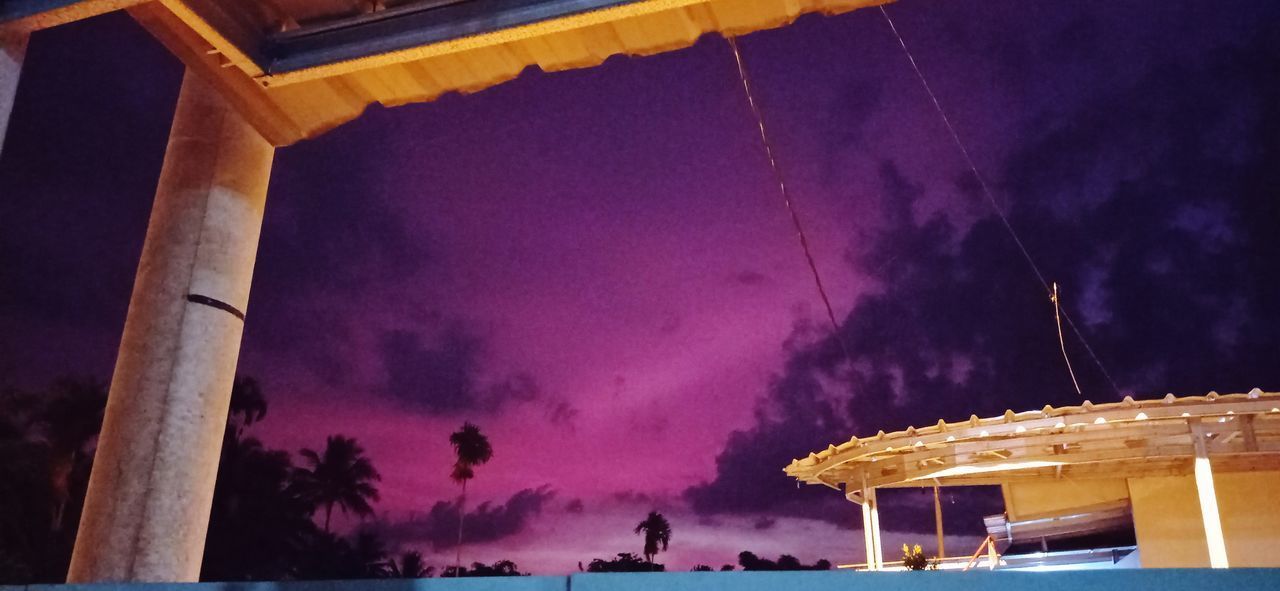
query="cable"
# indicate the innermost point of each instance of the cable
(1057, 317)
(982, 183)
(786, 197)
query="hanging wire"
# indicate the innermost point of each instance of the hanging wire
(982, 183)
(1057, 317)
(786, 197)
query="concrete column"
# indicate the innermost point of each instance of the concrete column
(147, 509)
(12, 48)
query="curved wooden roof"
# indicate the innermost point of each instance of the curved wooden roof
(1113, 440)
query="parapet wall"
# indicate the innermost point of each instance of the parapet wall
(1115, 580)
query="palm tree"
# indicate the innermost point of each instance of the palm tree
(410, 566)
(248, 406)
(70, 422)
(656, 531)
(342, 476)
(472, 449)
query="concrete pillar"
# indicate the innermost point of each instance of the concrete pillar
(147, 509)
(12, 48)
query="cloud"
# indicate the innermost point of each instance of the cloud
(764, 522)
(562, 413)
(1122, 202)
(487, 523)
(445, 377)
(749, 278)
(574, 506)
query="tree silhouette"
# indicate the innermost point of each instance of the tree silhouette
(69, 424)
(749, 561)
(410, 566)
(501, 568)
(656, 531)
(624, 562)
(259, 524)
(472, 449)
(341, 476)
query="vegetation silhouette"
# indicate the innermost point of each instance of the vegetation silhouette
(624, 562)
(472, 449)
(657, 531)
(47, 441)
(410, 566)
(263, 518)
(340, 475)
(501, 568)
(750, 562)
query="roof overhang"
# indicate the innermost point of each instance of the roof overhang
(297, 68)
(1115, 440)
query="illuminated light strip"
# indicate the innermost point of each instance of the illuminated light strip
(1209, 504)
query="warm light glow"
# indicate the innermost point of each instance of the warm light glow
(1209, 512)
(967, 470)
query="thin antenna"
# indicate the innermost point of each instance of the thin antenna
(982, 183)
(786, 197)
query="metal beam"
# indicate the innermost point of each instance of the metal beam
(411, 25)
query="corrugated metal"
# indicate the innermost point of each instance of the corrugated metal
(316, 100)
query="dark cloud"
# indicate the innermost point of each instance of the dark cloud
(634, 497)
(574, 506)
(749, 278)
(562, 413)
(446, 376)
(487, 523)
(764, 522)
(1124, 203)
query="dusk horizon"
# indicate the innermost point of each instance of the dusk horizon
(596, 268)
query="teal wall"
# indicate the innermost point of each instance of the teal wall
(1114, 580)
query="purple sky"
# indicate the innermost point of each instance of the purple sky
(595, 265)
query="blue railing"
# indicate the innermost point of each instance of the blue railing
(1114, 580)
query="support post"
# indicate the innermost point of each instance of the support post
(877, 550)
(147, 509)
(937, 519)
(867, 540)
(13, 46)
(1208, 499)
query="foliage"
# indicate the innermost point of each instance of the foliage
(47, 440)
(625, 562)
(913, 558)
(701, 568)
(501, 568)
(472, 449)
(410, 566)
(657, 531)
(749, 561)
(341, 476)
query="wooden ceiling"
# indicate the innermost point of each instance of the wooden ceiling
(297, 68)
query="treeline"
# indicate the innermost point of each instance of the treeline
(272, 511)
(270, 518)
